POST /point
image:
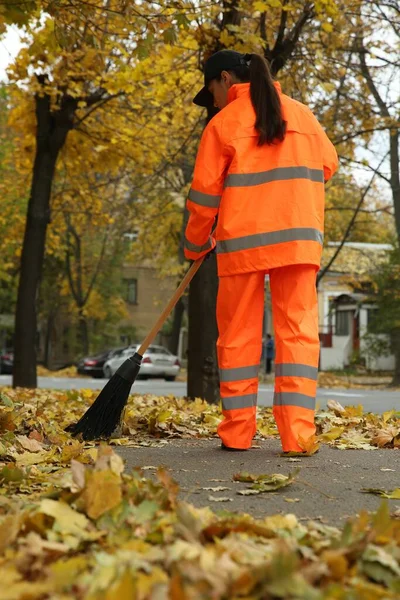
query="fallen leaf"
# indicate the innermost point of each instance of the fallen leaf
(333, 434)
(78, 476)
(6, 401)
(35, 435)
(310, 445)
(102, 492)
(384, 437)
(336, 407)
(71, 450)
(219, 488)
(266, 483)
(27, 459)
(9, 528)
(219, 499)
(11, 473)
(29, 444)
(67, 520)
(394, 494)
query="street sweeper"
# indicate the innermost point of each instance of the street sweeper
(260, 173)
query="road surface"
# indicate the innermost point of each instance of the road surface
(373, 400)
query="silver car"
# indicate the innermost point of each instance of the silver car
(157, 362)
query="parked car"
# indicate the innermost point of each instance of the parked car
(157, 362)
(93, 365)
(6, 362)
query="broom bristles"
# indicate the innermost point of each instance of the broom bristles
(103, 417)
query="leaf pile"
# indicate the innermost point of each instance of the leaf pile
(102, 534)
(152, 420)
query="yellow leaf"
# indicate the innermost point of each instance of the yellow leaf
(9, 528)
(336, 562)
(102, 492)
(67, 520)
(124, 588)
(310, 445)
(29, 458)
(64, 572)
(333, 434)
(328, 27)
(71, 450)
(385, 436)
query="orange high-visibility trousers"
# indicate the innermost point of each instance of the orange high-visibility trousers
(240, 308)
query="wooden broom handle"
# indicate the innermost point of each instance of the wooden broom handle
(167, 310)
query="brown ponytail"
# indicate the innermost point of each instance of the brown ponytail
(267, 105)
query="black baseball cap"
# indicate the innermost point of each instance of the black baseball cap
(224, 60)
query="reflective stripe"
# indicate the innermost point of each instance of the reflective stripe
(296, 370)
(194, 248)
(238, 374)
(294, 399)
(204, 199)
(233, 402)
(280, 174)
(257, 240)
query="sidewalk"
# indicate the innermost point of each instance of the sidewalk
(328, 487)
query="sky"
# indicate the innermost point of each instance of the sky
(9, 47)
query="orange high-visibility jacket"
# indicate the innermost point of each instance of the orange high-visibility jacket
(269, 199)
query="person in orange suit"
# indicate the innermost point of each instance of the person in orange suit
(257, 197)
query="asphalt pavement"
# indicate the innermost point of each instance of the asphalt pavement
(328, 487)
(372, 400)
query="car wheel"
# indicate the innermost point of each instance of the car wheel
(170, 378)
(107, 372)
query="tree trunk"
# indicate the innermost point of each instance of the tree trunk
(179, 311)
(181, 305)
(396, 352)
(395, 176)
(203, 380)
(24, 373)
(51, 133)
(47, 348)
(83, 334)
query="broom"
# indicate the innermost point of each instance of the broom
(104, 415)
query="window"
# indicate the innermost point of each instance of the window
(343, 322)
(131, 291)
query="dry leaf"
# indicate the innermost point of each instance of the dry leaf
(29, 444)
(9, 528)
(67, 520)
(310, 445)
(78, 476)
(394, 494)
(336, 407)
(384, 437)
(102, 492)
(248, 492)
(219, 499)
